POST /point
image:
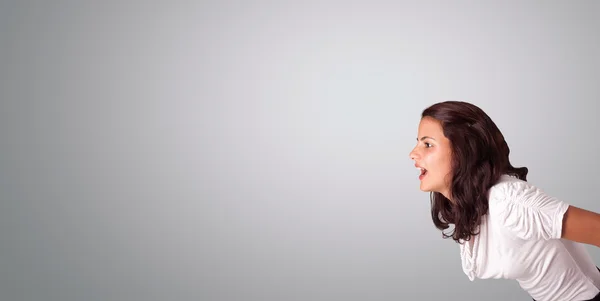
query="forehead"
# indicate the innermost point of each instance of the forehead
(430, 127)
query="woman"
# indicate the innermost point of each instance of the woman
(506, 227)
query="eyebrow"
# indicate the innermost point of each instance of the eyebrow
(425, 137)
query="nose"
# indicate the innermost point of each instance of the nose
(413, 155)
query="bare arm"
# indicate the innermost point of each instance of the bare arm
(582, 226)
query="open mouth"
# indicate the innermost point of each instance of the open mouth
(423, 173)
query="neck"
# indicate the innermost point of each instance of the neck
(447, 195)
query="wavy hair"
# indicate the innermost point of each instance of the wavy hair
(480, 155)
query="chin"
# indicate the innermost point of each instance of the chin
(428, 188)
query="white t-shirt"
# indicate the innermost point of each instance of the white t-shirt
(520, 239)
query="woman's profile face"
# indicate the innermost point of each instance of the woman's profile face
(433, 157)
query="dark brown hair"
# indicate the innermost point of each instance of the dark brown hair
(479, 158)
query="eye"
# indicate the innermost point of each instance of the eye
(427, 145)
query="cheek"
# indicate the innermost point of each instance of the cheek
(438, 163)
(448, 164)
(444, 164)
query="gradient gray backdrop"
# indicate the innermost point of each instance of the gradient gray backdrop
(220, 150)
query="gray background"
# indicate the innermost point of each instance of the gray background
(220, 150)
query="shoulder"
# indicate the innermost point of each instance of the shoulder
(513, 191)
(509, 188)
(526, 210)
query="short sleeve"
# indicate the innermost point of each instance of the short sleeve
(526, 211)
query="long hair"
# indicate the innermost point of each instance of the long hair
(480, 156)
